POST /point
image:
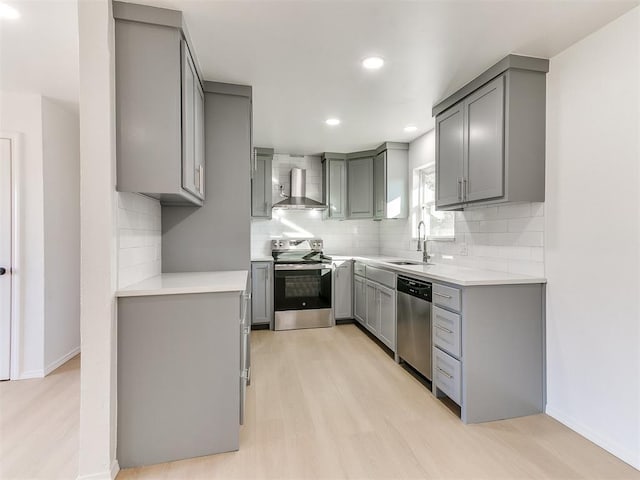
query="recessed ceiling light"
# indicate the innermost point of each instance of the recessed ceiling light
(372, 63)
(8, 12)
(410, 128)
(332, 121)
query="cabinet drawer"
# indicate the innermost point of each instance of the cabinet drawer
(384, 277)
(447, 297)
(447, 374)
(359, 268)
(446, 331)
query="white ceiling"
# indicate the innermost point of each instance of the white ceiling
(39, 51)
(303, 57)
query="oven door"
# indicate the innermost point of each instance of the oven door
(302, 296)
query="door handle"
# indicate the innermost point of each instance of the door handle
(3, 270)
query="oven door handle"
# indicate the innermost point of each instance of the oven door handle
(304, 266)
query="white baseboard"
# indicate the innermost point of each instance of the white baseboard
(62, 360)
(611, 446)
(39, 373)
(115, 468)
(107, 475)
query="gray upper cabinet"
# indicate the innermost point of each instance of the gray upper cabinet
(261, 292)
(379, 181)
(261, 202)
(390, 181)
(334, 181)
(484, 131)
(490, 137)
(449, 156)
(192, 126)
(159, 107)
(360, 187)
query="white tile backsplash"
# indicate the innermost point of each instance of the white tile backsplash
(508, 238)
(349, 237)
(139, 238)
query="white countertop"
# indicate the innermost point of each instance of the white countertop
(190, 282)
(462, 276)
(262, 259)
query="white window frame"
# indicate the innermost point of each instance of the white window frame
(422, 207)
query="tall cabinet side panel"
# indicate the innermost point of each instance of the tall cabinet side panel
(216, 236)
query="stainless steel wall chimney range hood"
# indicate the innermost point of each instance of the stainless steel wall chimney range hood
(298, 199)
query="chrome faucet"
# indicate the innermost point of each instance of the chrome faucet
(423, 247)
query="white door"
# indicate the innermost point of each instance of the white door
(5, 257)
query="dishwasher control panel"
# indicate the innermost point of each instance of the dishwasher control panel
(415, 288)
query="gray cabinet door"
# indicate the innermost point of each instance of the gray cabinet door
(373, 307)
(360, 191)
(380, 185)
(336, 188)
(156, 113)
(360, 299)
(342, 291)
(484, 142)
(387, 299)
(262, 292)
(188, 121)
(449, 156)
(199, 140)
(261, 186)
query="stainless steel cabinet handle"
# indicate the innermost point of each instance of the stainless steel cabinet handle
(201, 178)
(444, 373)
(465, 188)
(459, 189)
(440, 327)
(441, 295)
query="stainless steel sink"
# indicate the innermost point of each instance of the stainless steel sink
(404, 262)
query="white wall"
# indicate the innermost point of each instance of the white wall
(61, 161)
(592, 255)
(98, 230)
(507, 238)
(139, 238)
(22, 113)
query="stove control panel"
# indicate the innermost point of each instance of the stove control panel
(306, 244)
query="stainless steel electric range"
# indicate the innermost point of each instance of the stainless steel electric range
(302, 287)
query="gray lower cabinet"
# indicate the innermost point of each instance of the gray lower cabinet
(334, 181)
(490, 137)
(360, 187)
(373, 310)
(390, 180)
(179, 383)
(342, 291)
(379, 304)
(261, 197)
(359, 299)
(387, 308)
(488, 344)
(261, 293)
(159, 107)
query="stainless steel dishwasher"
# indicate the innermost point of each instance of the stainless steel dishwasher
(414, 324)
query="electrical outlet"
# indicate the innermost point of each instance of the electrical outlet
(464, 250)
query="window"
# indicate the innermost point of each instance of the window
(440, 225)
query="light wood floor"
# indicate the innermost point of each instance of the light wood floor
(39, 421)
(326, 403)
(331, 404)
